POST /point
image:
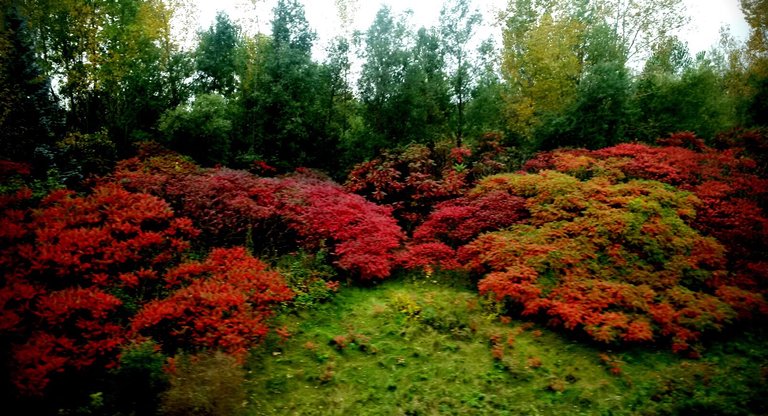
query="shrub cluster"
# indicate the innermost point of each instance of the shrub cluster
(631, 243)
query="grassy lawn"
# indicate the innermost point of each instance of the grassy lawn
(432, 346)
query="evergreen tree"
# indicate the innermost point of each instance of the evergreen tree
(29, 115)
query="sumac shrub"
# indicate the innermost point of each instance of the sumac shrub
(461, 219)
(414, 179)
(72, 268)
(364, 236)
(275, 215)
(410, 180)
(731, 193)
(616, 260)
(221, 303)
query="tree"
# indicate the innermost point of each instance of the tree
(383, 72)
(675, 92)
(28, 110)
(600, 112)
(290, 116)
(642, 24)
(424, 100)
(457, 26)
(215, 57)
(485, 109)
(111, 60)
(541, 65)
(337, 102)
(756, 14)
(201, 129)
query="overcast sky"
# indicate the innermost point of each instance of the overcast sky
(706, 17)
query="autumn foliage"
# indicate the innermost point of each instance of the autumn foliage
(631, 243)
(731, 196)
(274, 215)
(627, 244)
(72, 268)
(221, 303)
(414, 179)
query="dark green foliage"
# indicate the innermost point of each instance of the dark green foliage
(676, 92)
(215, 57)
(28, 112)
(139, 380)
(201, 129)
(310, 277)
(382, 75)
(83, 156)
(457, 26)
(291, 102)
(404, 91)
(599, 116)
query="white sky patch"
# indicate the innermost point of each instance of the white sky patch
(707, 17)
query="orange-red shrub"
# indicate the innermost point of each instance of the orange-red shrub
(221, 304)
(302, 209)
(72, 268)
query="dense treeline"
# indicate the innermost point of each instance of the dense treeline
(83, 81)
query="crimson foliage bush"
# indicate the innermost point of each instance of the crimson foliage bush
(73, 267)
(601, 242)
(275, 214)
(414, 179)
(364, 236)
(221, 304)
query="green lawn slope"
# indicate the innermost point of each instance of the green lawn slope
(429, 346)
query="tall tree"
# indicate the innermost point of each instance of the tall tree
(425, 98)
(201, 129)
(678, 92)
(541, 65)
(109, 57)
(600, 112)
(485, 110)
(385, 59)
(336, 101)
(756, 14)
(290, 116)
(457, 26)
(642, 24)
(28, 112)
(216, 56)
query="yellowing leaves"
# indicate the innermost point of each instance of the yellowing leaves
(541, 64)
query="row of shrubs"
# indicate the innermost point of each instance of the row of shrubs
(627, 244)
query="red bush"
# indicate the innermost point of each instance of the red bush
(220, 303)
(304, 209)
(615, 260)
(364, 236)
(460, 220)
(76, 329)
(64, 264)
(410, 180)
(416, 178)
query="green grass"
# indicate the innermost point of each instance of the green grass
(423, 347)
